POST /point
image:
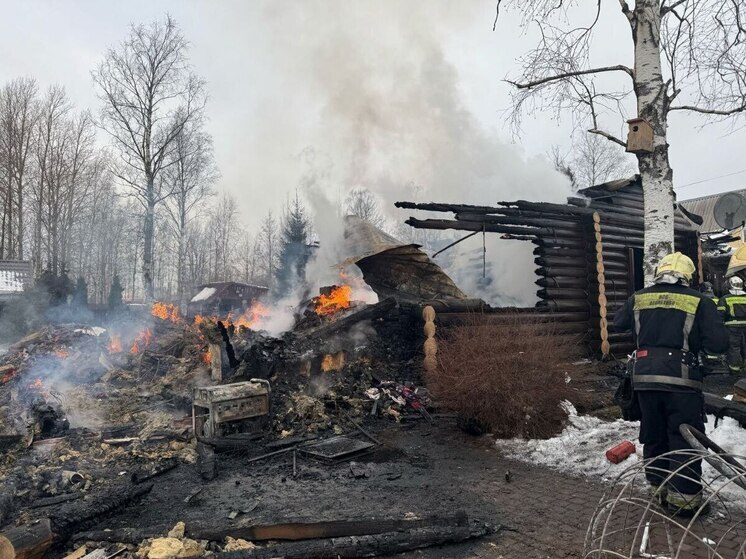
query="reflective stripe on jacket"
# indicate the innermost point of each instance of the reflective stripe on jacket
(733, 309)
(671, 325)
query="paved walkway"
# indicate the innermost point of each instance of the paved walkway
(544, 514)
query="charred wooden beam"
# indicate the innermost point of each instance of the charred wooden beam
(548, 207)
(370, 312)
(544, 221)
(30, 541)
(438, 207)
(352, 547)
(562, 281)
(559, 252)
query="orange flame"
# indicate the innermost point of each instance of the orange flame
(38, 386)
(115, 344)
(207, 357)
(251, 317)
(142, 340)
(165, 311)
(339, 298)
(61, 353)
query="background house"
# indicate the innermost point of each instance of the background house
(15, 276)
(220, 298)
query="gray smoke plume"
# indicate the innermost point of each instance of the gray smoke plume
(391, 118)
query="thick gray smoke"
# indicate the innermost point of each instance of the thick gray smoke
(392, 120)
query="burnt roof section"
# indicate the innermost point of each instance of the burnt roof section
(363, 239)
(392, 268)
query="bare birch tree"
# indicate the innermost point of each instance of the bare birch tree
(149, 95)
(688, 55)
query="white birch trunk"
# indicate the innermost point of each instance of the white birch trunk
(652, 105)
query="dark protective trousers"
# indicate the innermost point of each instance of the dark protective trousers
(662, 414)
(737, 348)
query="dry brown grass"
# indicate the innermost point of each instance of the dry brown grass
(509, 378)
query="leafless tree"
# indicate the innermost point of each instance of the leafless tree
(53, 111)
(221, 231)
(364, 204)
(594, 160)
(269, 249)
(67, 164)
(688, 55)
(149, 95)
(17, 118)
(190, 178)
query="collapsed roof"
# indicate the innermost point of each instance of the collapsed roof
(392, 268)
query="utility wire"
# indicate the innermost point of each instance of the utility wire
(710, 179)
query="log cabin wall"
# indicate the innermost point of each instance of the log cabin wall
(588, 253)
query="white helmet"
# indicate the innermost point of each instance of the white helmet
(735, 283)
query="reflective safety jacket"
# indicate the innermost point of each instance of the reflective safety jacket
(671, 325)
(733, 309)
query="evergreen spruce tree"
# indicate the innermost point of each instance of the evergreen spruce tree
(294, 249)
(115, 294)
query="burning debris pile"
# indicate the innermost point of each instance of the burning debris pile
(83, 406)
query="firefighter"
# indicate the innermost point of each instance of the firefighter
(671, 324)
(732, 307)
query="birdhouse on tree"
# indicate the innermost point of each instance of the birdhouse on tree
(640, 136)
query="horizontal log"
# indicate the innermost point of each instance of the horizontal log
(561, 293)
(563, 261)
(560, 243)
(628, 194)
(296, 531)
(521, 220)
(562, 281)
(453, 305)
(351, 547)
(559, 252)
(442, 224)
(578, 294)
(439, 207)
(558, 305)
(548, 207)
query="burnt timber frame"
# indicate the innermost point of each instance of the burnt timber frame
(583, 252)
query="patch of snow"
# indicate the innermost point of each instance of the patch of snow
(581, 448)
(206, 293)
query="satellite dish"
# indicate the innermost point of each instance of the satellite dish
(730, 210)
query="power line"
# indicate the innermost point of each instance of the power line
(710, 179)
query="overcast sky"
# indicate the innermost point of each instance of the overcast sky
(376, 93)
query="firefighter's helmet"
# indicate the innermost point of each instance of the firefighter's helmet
(677, 264)
(735, 283)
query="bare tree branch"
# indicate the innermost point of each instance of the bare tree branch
(558, 77)
(608, 136)
(706, 111)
